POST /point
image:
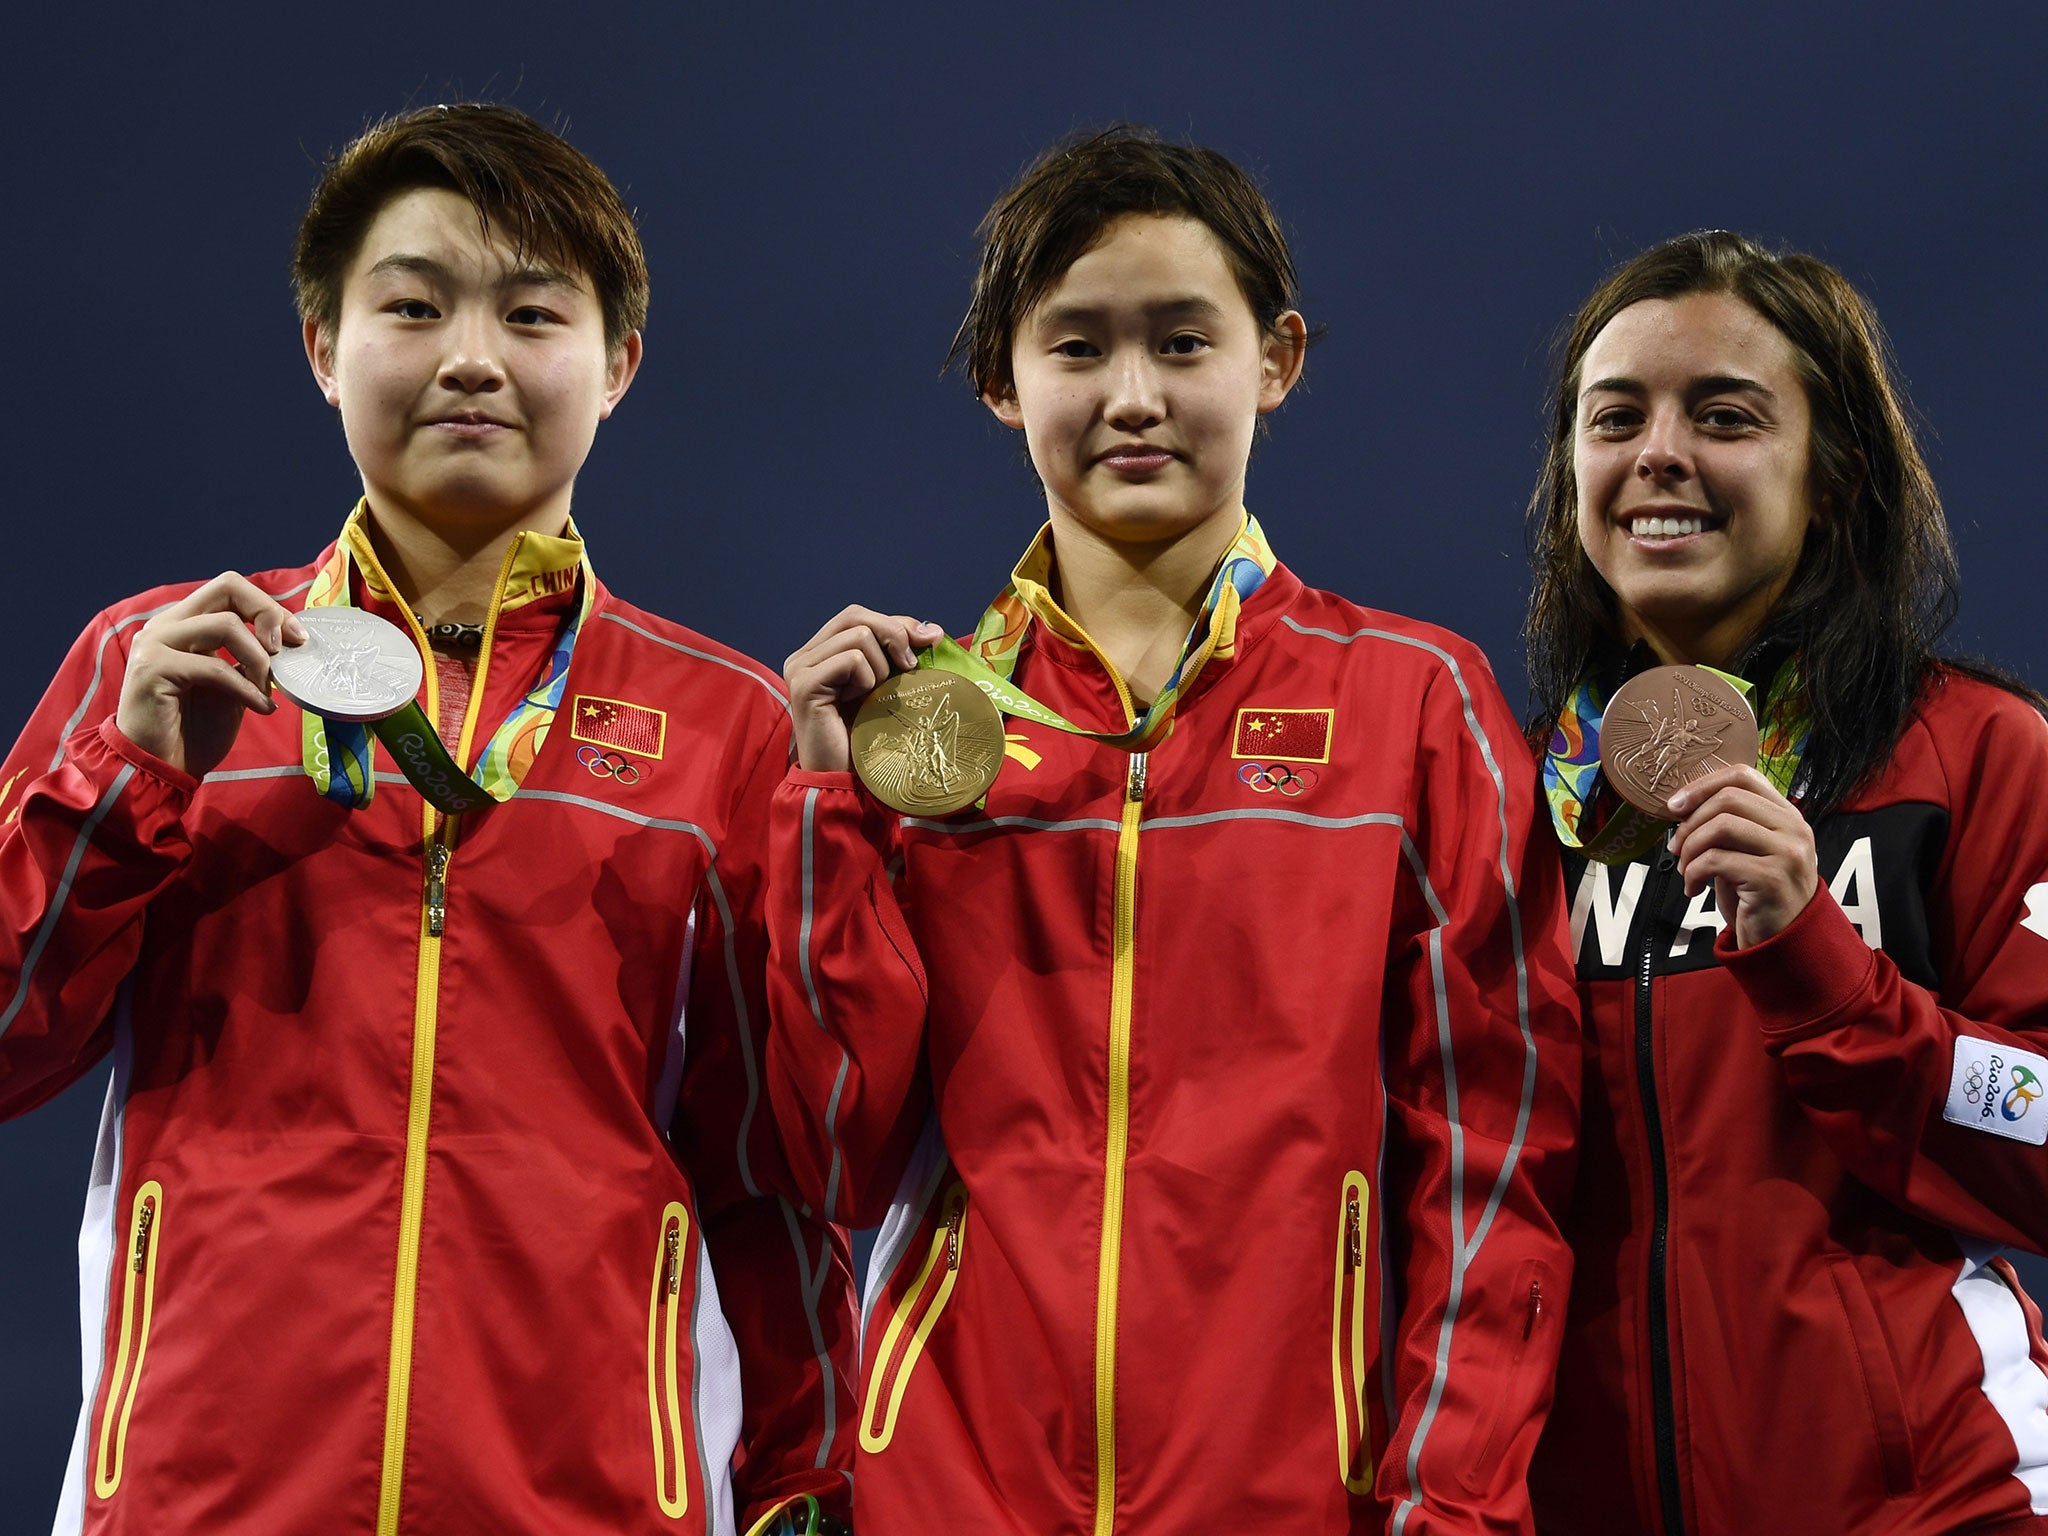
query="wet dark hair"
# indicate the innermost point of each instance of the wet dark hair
(1876, 583)
(1059, 207)
(545, 196)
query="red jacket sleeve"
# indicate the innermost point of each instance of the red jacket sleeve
(1482, 1051)
(1870, 1056)
(785, 1279)
(846, 1055)
(91, 829)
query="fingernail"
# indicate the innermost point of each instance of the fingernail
(1677, 802)
(295, 629)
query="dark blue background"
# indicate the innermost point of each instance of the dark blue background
(808, 181)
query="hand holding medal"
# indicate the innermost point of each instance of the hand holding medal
(180, 700)
(925, 740)
(1682, 745)
(831, 677)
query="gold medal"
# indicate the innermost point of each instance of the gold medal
(927, 743)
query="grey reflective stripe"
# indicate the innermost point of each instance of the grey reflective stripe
(281, 771)
(996, 823)
(732, 960)
(813, 1282)
(61, 897)
(741, 1025)
(1478, 736)
(1300, 818)
(1461, 1256)
(99, 662)
(1153, 824)
(749, 673)
(656, 823)
(817, 1006)
(1462, 1253)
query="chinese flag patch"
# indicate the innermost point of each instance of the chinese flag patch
(615, 723)
(1284, 735)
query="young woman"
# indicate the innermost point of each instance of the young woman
(409, 1185)
(1215, 1084)
(1813, 1112)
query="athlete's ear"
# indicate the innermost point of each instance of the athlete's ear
(1004, 405)
(620, 364)
(320, 354)
(1285, 350)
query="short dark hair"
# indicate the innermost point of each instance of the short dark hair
(1059, 207)
(1876, 583)
(545, 196)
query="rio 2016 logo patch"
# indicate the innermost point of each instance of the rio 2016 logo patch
(1998, 1088)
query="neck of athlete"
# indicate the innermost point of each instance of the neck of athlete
(1137, 600)
(447, 568)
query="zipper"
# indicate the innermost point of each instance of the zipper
(1123, 963)
(664, 1392)
(912, 1321)
(437, 833)
(145, 1237)
(437, 889)
(412, 1201)
(1348, 1338)
(1663, 1413)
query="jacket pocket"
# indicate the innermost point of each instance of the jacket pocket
(911, 1321)
(138, 1301)
(1353, 1337)
(1527, 1312)
(1879, 1376)
(665, 1322)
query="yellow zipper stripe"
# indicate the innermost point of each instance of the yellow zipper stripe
(138, 1260)
(398, 1391)
(662, 1306)
(1122, 965)
(1351, 1402)
(420, 1097)
(951, 1234)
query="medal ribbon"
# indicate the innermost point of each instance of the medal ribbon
(990, 658)
(337, 754)
(1571, 768)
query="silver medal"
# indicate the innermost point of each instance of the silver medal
(354, 666)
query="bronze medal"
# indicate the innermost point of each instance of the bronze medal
(927, 743)
(1668, 726)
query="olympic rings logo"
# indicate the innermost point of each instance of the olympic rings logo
(1973, 1082)
(608, 765)
(2026, 1087)
(1277, 778)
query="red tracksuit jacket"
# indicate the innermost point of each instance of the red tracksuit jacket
(1216, 1099)
(1788, 1313)
(402, 1233)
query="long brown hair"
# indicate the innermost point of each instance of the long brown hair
(1876, 583)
